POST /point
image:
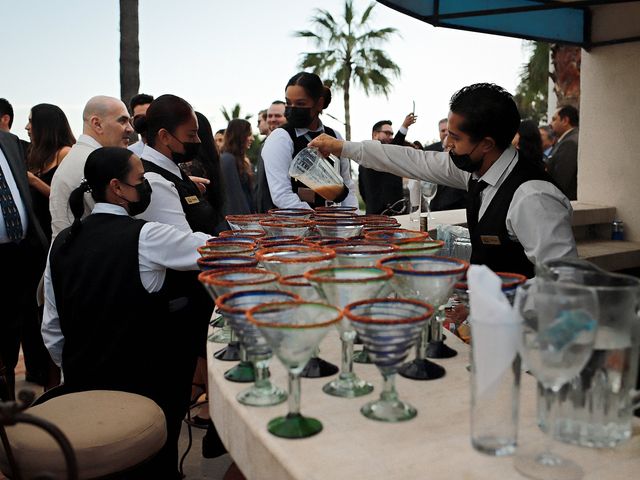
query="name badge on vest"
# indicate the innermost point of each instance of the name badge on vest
(192, 199)
(490, 240)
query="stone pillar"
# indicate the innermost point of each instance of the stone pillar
(609, 147)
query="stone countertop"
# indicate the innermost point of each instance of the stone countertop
(434, 445)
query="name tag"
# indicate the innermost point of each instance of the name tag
(490, 240)
(192, 199)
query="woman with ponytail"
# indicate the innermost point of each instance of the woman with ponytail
(306, 97)
(111, 318)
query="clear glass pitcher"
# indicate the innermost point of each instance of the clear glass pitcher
(596, 407)
(310, 168)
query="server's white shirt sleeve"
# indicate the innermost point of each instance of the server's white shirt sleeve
(276, 155)
(407, 162)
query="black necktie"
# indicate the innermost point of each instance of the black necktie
(475, 188)
(10, 211)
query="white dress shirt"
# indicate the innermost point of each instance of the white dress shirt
(137, 147)
(539, 216)
(277, 154)
(165, 206)
(66, 179)
(15, 193)
(160, 247)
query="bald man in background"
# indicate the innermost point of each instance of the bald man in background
(105, 123)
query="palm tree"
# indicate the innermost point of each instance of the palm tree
(348, 52)
(233, 113)
(532, 92)
(566, 74)
(129, 50)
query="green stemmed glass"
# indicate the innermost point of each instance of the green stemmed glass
(294, 330)
(389, 328)
(234, 307)
(220, 282)
(423, 277)
(340, 286)
(316, 367)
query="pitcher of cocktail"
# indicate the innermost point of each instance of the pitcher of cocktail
(316, 173)
(596, 407)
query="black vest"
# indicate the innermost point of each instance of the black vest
(200, 214)
(113, 328)
(263, 196)
(490, 242)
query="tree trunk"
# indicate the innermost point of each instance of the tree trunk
(566, 74)
(129, 50)
(347, 110)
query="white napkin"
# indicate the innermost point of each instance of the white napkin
(494, 327)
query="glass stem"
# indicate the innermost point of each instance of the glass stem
(243, 353)
(347, 358)
(436, 326)
(262, 374)
(421, 346)
(389, 393)
(232, 336)
(294, 395)
(550, 395)
(316, 352)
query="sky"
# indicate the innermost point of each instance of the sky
(217, 53)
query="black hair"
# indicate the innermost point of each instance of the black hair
(221, 131)
(139, 99)
(6, 109)
(278, 102)
(378, 125)
(530, 143)
(312, 85)
(168, 112)
(488, 111)
(102, 166)
(571, 113)
(235, 140)
(207, 164)
(50, 131)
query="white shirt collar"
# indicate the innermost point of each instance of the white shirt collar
(497, 170)
(102, 207)
(160, 160)
(88, 140)
(565, 134)
(302, 131)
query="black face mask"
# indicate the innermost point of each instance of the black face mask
(191, 150)
(144, 198)
(298, 117)
(464, 162)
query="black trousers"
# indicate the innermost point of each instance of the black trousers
(21, 266)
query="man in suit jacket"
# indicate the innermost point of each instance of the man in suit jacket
(380, 190)
(563, 160)
(105, 123)
(23, 249)
(447, 198)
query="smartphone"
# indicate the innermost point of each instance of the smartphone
(413, 109)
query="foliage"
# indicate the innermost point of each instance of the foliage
(532, 92)
(234, 113)
(348, 52)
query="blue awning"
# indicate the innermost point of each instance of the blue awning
(568, 22)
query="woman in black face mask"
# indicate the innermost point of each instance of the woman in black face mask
(110, 318)
(306, 97)
(172, 138)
